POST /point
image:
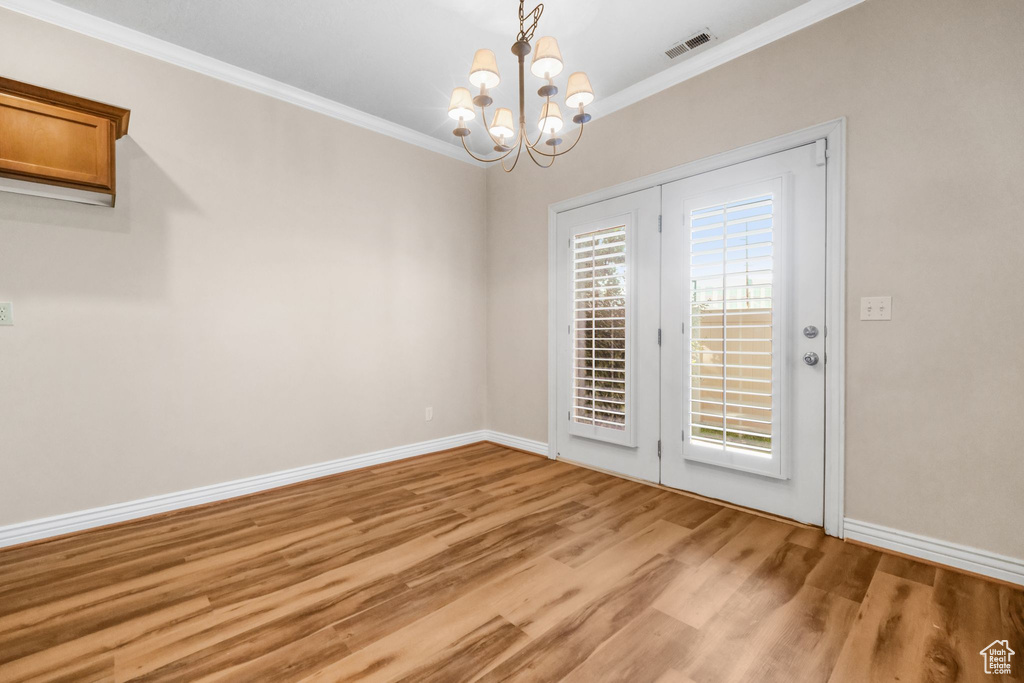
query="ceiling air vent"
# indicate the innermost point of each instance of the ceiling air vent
(693, 42)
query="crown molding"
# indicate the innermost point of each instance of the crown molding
(66, 17)
(781, 26)
(136, 41)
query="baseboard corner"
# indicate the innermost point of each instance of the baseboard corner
(935, 551)
(517, 442)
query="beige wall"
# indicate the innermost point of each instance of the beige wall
(934, 95)
(234, 316)
(275, 288)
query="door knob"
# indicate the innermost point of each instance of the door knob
(811, 358)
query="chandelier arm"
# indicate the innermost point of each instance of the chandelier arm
(486, 161)
(519, 150)
(533, 145)
(564, 151)
(530, 151)
(522, 86)
(534, 160)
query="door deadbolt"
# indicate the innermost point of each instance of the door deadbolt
(810, 331)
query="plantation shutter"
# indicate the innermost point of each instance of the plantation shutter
(731, 270)
(600, 364)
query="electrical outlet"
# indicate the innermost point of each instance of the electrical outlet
(6, 314)
(876, 308)
(430, 414)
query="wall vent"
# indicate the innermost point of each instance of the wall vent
(692, 43)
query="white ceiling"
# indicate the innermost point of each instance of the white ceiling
(399, 59)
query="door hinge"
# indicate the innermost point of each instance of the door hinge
(820, 151)
(659, 223)
(568, 416)
(659, 336)
(659, 449)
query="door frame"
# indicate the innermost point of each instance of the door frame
(834, 133)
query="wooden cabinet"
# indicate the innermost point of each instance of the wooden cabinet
(58, 145)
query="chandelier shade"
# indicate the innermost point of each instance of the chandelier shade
(550, 118)
(502, 125)
(484, 72)
(461, 105)
(511, 137)
(578, 92)
(547, 58)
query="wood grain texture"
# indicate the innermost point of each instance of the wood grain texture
(118, 116)
(488, 564)
(58, 139)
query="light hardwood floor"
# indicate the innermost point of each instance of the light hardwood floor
(486, 564)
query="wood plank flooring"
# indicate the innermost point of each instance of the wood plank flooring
(486, 564)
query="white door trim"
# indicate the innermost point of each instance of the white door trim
(835, 295)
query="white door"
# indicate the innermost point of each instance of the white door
(607, 360)
(743, 309)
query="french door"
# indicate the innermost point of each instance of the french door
(743, 306)
(607, 319)
(691, 352)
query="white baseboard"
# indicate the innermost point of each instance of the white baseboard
(538, 447)
(942, 552)
(34, 530)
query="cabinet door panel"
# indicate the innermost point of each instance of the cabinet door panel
(55, 145)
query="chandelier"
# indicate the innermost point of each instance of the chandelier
(507, 139)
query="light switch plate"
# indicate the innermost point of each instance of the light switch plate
(6, 313)
(876, 308)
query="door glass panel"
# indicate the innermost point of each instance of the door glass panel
(731, 268)
(599, 328)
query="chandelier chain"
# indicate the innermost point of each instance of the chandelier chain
(526, 34)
